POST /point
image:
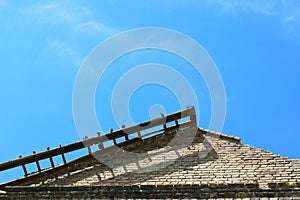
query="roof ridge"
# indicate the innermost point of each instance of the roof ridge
(220, 135)
(239, 141)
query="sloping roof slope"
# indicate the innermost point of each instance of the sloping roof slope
(212, 166)
(228, 162)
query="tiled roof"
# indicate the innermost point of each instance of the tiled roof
(212, 165)
(228, 162)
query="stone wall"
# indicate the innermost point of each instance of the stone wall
(249, 191)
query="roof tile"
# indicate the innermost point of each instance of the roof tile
(229, 162)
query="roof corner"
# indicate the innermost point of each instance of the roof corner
(220, 135)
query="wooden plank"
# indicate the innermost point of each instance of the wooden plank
(99, 139)
(24, 170)
(150, 124)
(64, 158)
(51, 153)
(51, 162)
(61, 168)
(38, 166)
(89, 157)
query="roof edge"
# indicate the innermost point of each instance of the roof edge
(220, 135)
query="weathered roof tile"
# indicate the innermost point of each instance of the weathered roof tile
(214, 165)
(229, 162)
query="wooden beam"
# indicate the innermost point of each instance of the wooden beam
(22, 161)
(72, 165)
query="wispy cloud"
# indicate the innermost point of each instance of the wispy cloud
(96, 27)
(234, 7)
(70, 15)
(285, 12)
(64, 49)
(73, 21)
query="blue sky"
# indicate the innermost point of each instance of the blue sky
(255, 45)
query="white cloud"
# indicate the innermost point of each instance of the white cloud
(289, 18)
(96, 27)
(67, 15)
(74, 23)
(275, 8)
(285, 12)
(62, 49)
(266, 7)
(52, 13)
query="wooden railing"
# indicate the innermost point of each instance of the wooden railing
(181, 119)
